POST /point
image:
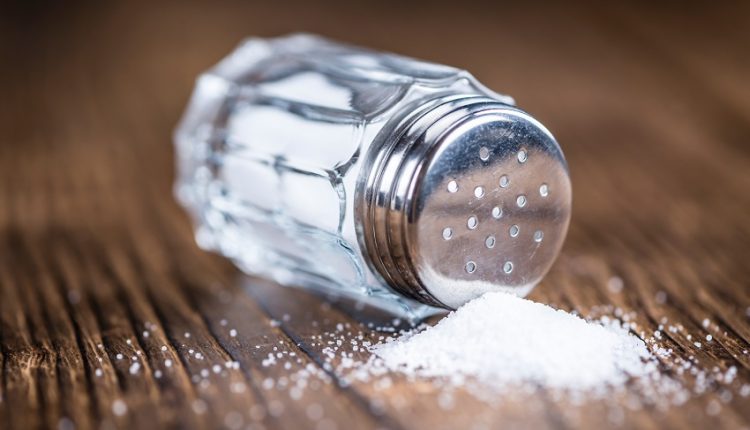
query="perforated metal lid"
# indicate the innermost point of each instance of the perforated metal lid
(465, 196)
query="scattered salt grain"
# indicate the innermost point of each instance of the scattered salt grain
(74, 297)
(615, 284)
(504, 340)
(275, 408)
(660, 297)
(314, 411)
(233, 420)
(268, 383)
(199, 406)
(713, 408)
(257, 412)
(64, 423)
(119, 407)
(238, 387)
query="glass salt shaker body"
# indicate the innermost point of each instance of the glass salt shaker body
(333, 167)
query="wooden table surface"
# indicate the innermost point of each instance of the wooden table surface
(651, 104)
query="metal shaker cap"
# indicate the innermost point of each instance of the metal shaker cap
(466, 195)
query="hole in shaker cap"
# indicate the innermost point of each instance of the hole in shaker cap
(497, 212)
(484, 153)
(452, 186)
(522, 156)
(490, 241)
(508, 267)
(538, 236)
(471, 267)
(504, 181)
(472, 222)
(479, 192)
(447, 233)
(514, 230)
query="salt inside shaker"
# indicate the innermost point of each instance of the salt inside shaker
(404, 183)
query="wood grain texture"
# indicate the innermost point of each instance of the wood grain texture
(111, 317)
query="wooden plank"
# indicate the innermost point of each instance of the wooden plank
(63, 343)
(21, 393)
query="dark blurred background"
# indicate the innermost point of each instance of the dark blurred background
(625, 86)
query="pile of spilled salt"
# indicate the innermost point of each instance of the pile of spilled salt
(502, 340)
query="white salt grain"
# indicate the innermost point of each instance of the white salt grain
(74, 297)
(713, 408)
(660, 297)
(504, 340)
(119, 407)
(314, 411)
(199, 406)
(615, 284)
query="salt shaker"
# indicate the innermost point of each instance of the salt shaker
(402, 182)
